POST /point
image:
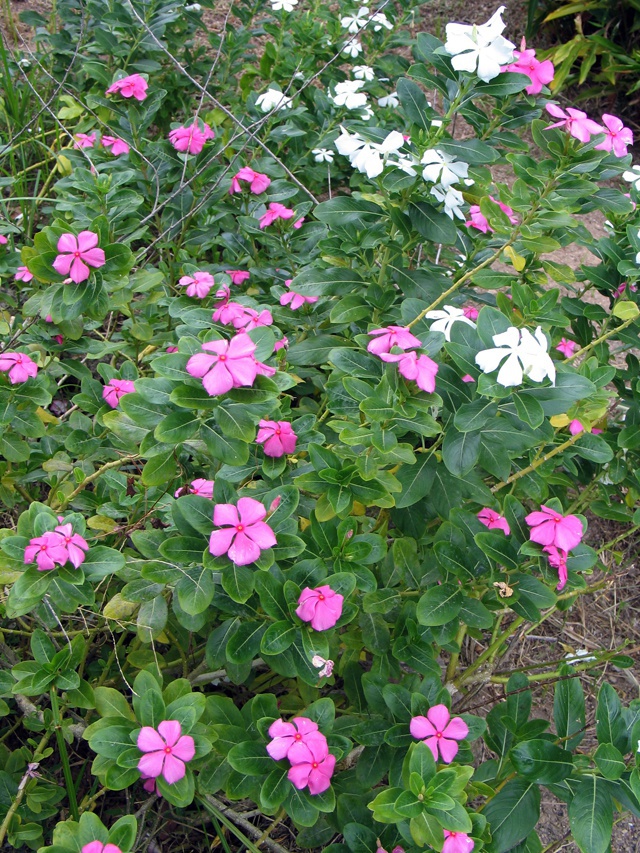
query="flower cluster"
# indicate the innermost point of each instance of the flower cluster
(557, 534)
(617, 137)
(198, 284)
(227, 364)
(115, 389)
(56, 548)
(276, 437)
(191, 139)
(258, 182)
(522, 354)
(243, 534)
(417, 368)
(89, 140)
(18, 366)
(133, 86)
(479, 48)
(478, 220)
(540, 73)
(370, 158)
(306, 749)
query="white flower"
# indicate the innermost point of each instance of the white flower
(326, 666)
(580, 656)
(526, 355)
(406, 162)
(323, 155)
(452, 199)
(446, 318)
(441, 168)
(352, 48)
(366, 113)
(391, 100)
(347, 95)
(392, 143)
(633, 176)
(381, 21)
(283, 5)
(194, 7)
(273, 99)
(368, 161)
(479, 48)
(363, 72)
(348, 143)
(353, 23)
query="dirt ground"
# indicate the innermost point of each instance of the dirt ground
(601, 622)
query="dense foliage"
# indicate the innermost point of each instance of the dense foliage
(302, 411)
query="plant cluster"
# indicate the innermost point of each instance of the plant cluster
(302, 413)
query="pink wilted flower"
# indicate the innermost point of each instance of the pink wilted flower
(283, 343)
(275, 211)
(440, 732)
(18, 366)
(225, 364)
(574, 121)
(493, 520)
(201, 487)
(617, 136)
(296, 300)
(419, 369)
(566, 347)
(457, 842)
(76, 253)
(549, 527)
(166, 751)
(540, 73)
(46, 551)
(276, 437)
(117, 146)
(291, 740)
(199, 284)
(258, 182)
(115, 389)
(84, 140)
(558, 559)
(23, 274)
(470, 312)
(133, 86)
(238, 276)
(75, 545)
(322, 607)
(576, 427)
(622, 288)
(315, 769)
(99, 847)
(391, 336)
(244, 534)
(479, 220)
(325, 666)
(192, 139)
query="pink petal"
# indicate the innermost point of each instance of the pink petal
(456, 729)
(62, 264)
(93, 847)
(241, 346)
(568, 533)
(281, 729)
(320, 777)
(67, 243)
(243, 551)
(200, 364)
(149, 740)
(279, 747)
(298, 775)
(421, 728)
(304, 725)
(151, 763)
(173, 769)
(448, 749)
(79, 272)
(544, 534)
(250, 511)
(185, 748)
(220, 541)
(94, 257)
(299, 752)
(219, 380)
(439, 717)
(87, 240)
(432, 743)
(224, 514)
(170, 731)
(262, 535)
(243, 371)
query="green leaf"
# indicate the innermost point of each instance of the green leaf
(541, 761)
(591, 815)
(569, 711)
(610, 727)
(432, 224)
(609, 761)
(123, 832)
(439, 605)
(183, 549)
(414, 103)
(416, 481)
(250, 759)
(460, 451)
(177, 427)
(195, 590)
(238, 582)
(375, 632)
(498, 548)
(152, 619)
(111, 703)
(244, 644)
(160, 469)
(512, 814)
(277, 638)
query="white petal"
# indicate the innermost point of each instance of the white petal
(510, 373)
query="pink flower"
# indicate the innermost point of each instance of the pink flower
(199, 284)
(478, 219)
(596, 431)
(299, 223)
(84, 140)
(467, 378)
(76, 253)
(622, 288)
(46, 551)
(166, 751)
(23, 274)
(296, 300)
(566, 347)
(74, 545)
(325, 666)
(117, 146)
(18, 366)
(470, 312)
(575, 121)
(115, 389)
(241, 317)
(558, 559)
(322, 607)
(277, 438)
(225, 364)
(440, 732)
(99, 847)
(283, 343)
(494, 521)
(275, 211)
(458, 842)
(392, 336)
(549, 527)
(3, 240)
(202, 487)
(238, 276)
(618, 137)
(541, 73)
(258, 182)
(133, 86)
(190, 140)
(290, 740)
(575, 427)
(172, 349)
(149, 784)
(315, 770)
(420, 369)
(244, 534)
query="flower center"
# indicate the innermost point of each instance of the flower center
(297, 737)
(557, 519)
(43, 547)
(167, 750)
(67, 539)
(314, 764)
(438, 734)
(321, 597)
(278, 431)
(222, 358)
(76, 254)
(240, 528)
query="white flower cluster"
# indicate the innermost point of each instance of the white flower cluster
(443, 170)
(370, 158)
(446, 318)
(479, 48)
(525, 355)
(273, 99)
(356, 21)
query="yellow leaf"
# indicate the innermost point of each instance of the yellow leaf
(101, 522)
(64, 164)
(119, 608)
(46, 417)
(517, 260)
(625, 310)
(358, 508)
(559, 421)
(304, 523)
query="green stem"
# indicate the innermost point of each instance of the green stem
(536, 463)
(64, 755)
(22, 788)
(490, 652)
(603, 338)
